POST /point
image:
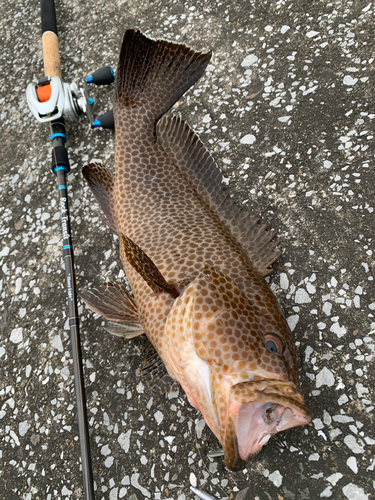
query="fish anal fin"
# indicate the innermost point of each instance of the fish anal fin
(113, 302)
(198, 167)
(155, 374)
(147, 269)
(154, 73)
(102, 184)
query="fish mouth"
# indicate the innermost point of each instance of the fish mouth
(256, 421)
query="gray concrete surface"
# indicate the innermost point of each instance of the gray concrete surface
(300, 153)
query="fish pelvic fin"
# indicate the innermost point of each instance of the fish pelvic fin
(147, 269)
(198, 167)
(155, 374)
(114, 303)
(101, 181)
(155, 73)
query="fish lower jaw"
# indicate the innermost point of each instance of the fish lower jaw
(257, 421)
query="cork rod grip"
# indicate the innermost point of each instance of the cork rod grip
(51, 56)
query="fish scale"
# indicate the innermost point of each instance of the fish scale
(195, 261)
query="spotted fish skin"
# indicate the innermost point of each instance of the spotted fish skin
(196, 263)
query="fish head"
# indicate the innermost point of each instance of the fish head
(251, 390)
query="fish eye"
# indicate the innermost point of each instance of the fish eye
(273, 343)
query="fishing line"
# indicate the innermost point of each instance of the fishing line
(218, 485)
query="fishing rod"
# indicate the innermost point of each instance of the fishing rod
(52, 101)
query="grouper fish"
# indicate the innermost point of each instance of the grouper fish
(195, 261)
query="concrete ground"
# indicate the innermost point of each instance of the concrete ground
(287, 109)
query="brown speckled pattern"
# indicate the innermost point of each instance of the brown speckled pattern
(164, 205)
(227, 331)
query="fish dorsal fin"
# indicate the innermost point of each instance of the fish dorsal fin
(195, 163)
(146, 268)
(113, 302)
(155, 374)
(102, 184)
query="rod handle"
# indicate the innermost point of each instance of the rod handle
(51, 55)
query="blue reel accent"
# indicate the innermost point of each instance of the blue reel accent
(61, 168)
(96, 123)
(62, 187)
(91, 101)
(58, 134)
(89, 79)
(67, 246)
(113, 74)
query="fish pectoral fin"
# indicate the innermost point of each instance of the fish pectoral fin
(126, 330)
(101, 181)
(113, 302)
(147, 269)
(155, 374)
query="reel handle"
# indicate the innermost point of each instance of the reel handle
(102, 76)
(105, 121)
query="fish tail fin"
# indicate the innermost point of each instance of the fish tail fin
(154, 73)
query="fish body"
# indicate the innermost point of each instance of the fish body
(196, 263)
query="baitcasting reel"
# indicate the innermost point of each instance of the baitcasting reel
(51, 99)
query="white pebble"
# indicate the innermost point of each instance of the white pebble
(334, 478)
(248, 139)
(318, 424)
(283, 119)
(340, 331)
(352, 463)
(327, 492)
(302, 297)
(124, 440)
(4, 252)
(108, 462)
(159, 417)
(276, 478)
(105, 450)
(135, 483)
(310, 288)
(57, 343)
(311, 34)
(249, 60)
(284, 28)
(23, 427)
(325, 377)
(292, 321)
(348, 80)
(193, 479)
(18, 285)
(342, 399)
(352, 444)
(353, 492)
(16, 336)
(327, 306)
(284, 281)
